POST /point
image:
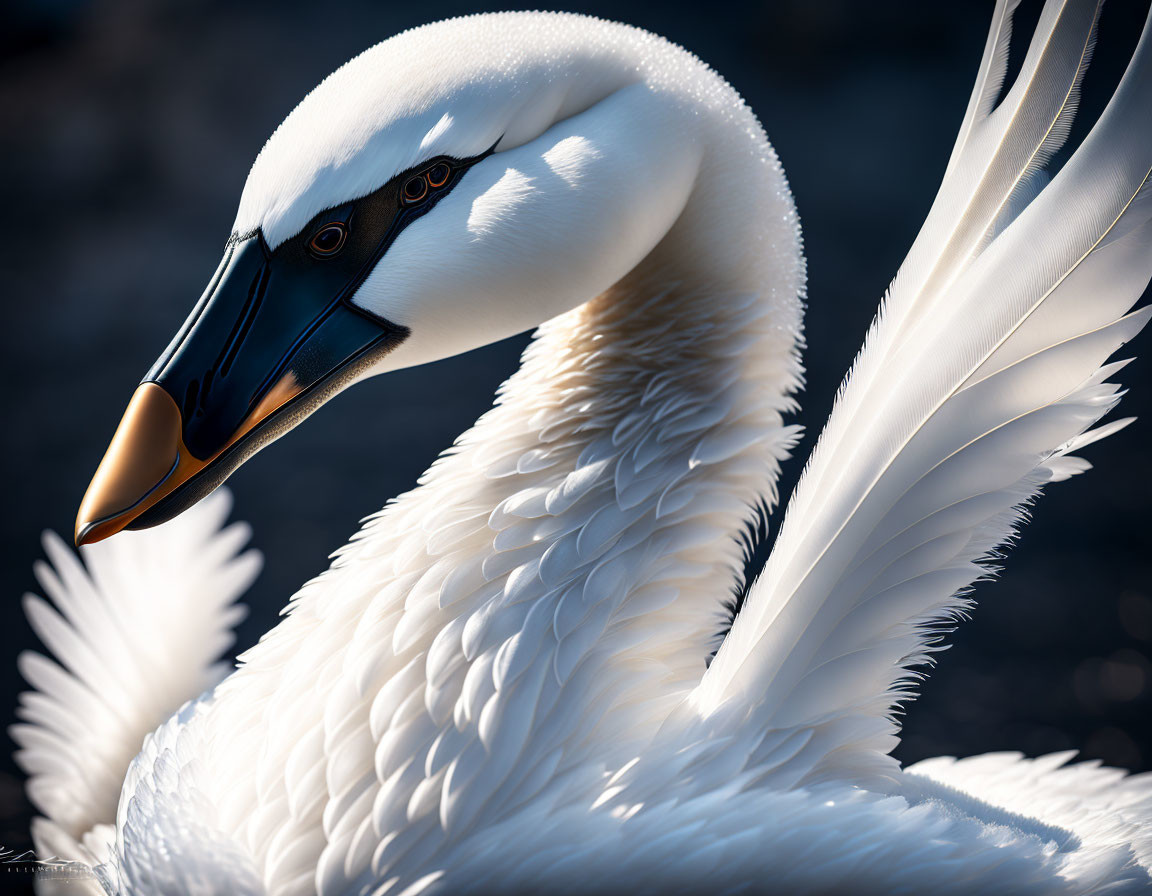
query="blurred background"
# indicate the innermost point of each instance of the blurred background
(126, 131)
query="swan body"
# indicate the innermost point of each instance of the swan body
(502, 680)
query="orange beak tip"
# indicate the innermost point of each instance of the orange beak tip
(140, 459)
(147, 459)
(86, 533)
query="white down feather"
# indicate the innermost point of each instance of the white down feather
(500, 683)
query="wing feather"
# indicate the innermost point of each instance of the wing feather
(981, 373)
(134, 632)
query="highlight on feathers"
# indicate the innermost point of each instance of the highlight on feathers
(985, 364)
(499, 683)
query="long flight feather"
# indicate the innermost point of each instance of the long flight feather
(982, 371)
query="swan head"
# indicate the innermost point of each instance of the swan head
(452, 186)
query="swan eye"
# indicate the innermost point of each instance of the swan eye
(414, 189)
(328, 240)
(438, 175)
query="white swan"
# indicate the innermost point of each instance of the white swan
(501, 682)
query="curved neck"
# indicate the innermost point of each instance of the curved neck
(535, 608)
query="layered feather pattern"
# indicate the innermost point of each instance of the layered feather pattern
(518, 636)
(500, 682)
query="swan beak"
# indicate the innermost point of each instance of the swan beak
(144, 454)
(272, 338)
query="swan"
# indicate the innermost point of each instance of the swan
(503, 680)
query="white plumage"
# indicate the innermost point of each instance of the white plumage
(500, 683)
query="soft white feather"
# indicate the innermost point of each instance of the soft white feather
(137, 630)
(978, 376)
(497, 685)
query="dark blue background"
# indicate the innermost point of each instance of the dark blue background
(126, 131)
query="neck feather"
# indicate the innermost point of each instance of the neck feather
(530, 614)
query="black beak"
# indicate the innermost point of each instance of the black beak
(272, 338)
